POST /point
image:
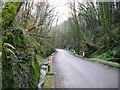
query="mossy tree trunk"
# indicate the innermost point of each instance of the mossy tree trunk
(9, 12)
(105, 24)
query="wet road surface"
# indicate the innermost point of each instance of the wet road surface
(73, 72)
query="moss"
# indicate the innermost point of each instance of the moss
(8, 37)
(13, 72)
(35, 75)
(27, 73)
(9, 12)
(19, 40)
(7, 71)
(36, 64)
(0, 42)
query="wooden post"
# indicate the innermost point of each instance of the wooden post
(49, 60)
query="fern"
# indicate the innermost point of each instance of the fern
(9, 45)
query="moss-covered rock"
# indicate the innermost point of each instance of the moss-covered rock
(22, 69)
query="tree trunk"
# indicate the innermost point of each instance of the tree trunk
(9, 12)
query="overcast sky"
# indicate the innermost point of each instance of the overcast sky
(62, 9)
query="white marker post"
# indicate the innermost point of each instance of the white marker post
(83, 54)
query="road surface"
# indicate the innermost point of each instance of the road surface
(74, 72)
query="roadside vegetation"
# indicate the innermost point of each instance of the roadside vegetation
(25, 42)
(48, 82)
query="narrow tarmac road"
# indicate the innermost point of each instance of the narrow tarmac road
(73, 72)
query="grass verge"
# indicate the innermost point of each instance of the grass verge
(109, 63)
(48, 81)
(113, 64)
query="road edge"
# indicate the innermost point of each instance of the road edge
(108, 63)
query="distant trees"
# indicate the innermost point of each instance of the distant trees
(93, 27)
(37, 18)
